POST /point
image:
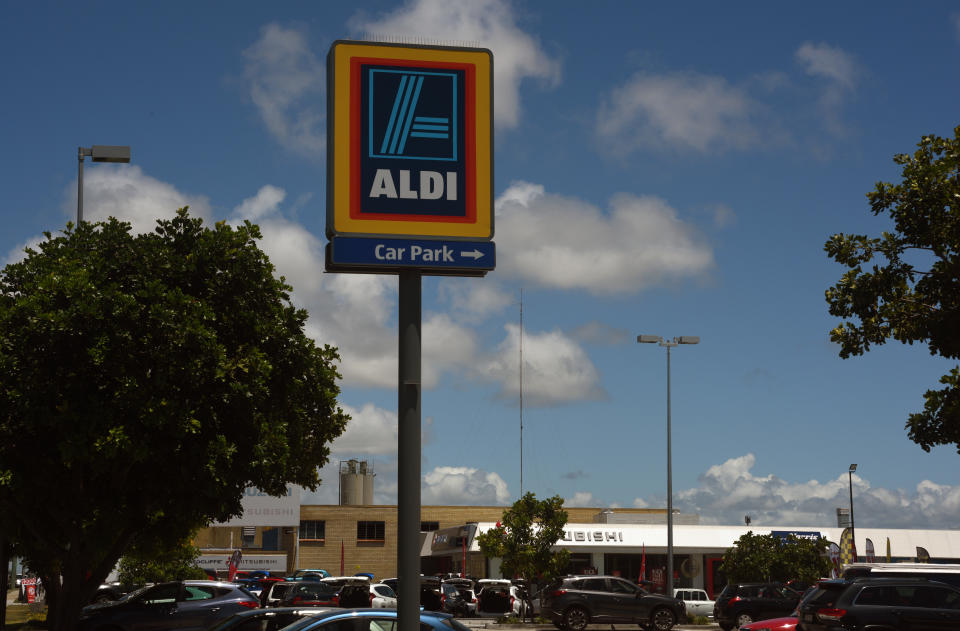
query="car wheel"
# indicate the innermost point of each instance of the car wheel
(743, 619)
(663, 619)
(576, 619)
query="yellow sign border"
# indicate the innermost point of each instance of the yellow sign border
(340, 101)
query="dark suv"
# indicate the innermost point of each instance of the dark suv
(881, 604)
(742, 603)
(575, 601)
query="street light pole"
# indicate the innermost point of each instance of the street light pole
(853, 539)
(656, 339)
(97, 153)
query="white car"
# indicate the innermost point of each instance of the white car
(382, 596)
(499, 598)
(696, 600)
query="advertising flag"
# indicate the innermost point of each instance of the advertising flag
(848, 553)
(233, 564)
(871, 556)
(888, 549)
(643, 563)
(922, 555)
(834, 552)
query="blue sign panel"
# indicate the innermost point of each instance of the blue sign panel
(412, 161)
(800, 534)
(428, 255)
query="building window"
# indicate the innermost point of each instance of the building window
(249, 534)
(370, 531)
(429, 526)
(313, 530)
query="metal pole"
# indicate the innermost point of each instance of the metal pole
(853, 540)
(408, 477)
(669, 485)
(80, 155)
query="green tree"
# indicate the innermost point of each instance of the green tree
(147, 562)
(526, 537)
(771, 558)
(905, 284)
(146, 381)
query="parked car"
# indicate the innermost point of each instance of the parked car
(573, 602)
(431, 597)
(696, 601)
(273, 594)
(944, 572)
(373, 620)
(786, 623)
(311, 594)
(272, 619)
(353, 591)
(915, 604)
(500, 597)
(382, 596)
(467, 590)
(184, 605)
(742, 603)
(107, 592)
(307, 575)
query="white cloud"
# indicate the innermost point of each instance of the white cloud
(266, 202)
(463, 485)
(566, 243)
(822, 60)
(679, 111)
(838, 71)
(125, 192)
(472, 301)
(487, 23)
(286, 83)
(601, 334)
(371, 431)
(580, 499)
(556, 369)
(730, 490)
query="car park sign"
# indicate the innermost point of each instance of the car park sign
(410, 152)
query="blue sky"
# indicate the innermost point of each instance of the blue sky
(667, 170)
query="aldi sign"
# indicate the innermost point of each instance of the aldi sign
(409, 143)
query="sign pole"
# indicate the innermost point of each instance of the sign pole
(408, 476)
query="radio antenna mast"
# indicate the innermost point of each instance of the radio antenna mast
(521, 392)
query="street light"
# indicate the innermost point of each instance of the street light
(853, 540)
(97, 153)
(656, 339)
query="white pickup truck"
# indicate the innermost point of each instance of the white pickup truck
(696, 600)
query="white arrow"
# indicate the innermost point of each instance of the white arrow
(476, 254)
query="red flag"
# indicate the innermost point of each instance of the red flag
(341, 557)
(233, 564)
(643, 564)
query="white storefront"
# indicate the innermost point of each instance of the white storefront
(621, 549)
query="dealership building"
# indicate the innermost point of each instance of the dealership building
(280, 534)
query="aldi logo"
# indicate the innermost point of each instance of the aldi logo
(410, 141)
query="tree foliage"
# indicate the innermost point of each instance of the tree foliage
(146, 381)
(905, 284)
(526, 537)
(771, 558)
(147, 562)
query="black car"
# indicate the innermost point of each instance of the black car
(187, 605)
(881, 604)
(742, 603)
(272, 619)
(573, 602)
(311, 594)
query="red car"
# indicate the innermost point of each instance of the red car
(774, 624)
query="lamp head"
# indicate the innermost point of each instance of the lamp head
(853, 468)
(649, 339)
(110, 153)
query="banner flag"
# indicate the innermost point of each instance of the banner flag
(922, 555)
(233, 564)
(848, 553)
(643, 563)
(834, 552)
(888, 549)
(871, 556)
